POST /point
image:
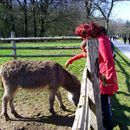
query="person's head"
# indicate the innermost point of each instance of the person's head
(88, 30)
(82, 30)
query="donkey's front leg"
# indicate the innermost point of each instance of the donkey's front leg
(51, 102)
(59, 98)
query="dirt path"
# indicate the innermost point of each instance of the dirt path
(34, 108)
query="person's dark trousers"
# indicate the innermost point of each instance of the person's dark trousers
(106, 115)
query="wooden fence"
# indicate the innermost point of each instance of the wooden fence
(14, 46)
(88, 114)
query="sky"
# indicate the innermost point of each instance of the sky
(121, 10)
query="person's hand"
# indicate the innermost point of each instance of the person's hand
(84, 50)
(104, 80)
(66, 64)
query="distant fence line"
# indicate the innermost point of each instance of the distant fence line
(42, 48)
(39, 38)
(14, 48)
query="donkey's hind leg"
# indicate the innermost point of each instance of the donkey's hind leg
(5, 100)
(59, 98)
(4, 106)
(8, 95)
(13, 111)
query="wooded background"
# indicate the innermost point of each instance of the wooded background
(57, 17)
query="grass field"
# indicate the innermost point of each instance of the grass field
(120, 101)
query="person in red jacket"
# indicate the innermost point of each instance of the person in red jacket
(108, 78)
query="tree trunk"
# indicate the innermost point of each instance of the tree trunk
(44, 10)
(25, 18)
(107, 24)
(88, 4)
(34, 18)
(11, 17)
(42, 28)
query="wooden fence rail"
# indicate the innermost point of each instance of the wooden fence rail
(44, 55)
(42, 48)
(14, 46)
(38, 38)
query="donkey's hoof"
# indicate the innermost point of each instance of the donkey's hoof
(7, 118)
(16, 114)
(52, 112)
(63, 108)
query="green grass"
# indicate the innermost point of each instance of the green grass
(120, 101)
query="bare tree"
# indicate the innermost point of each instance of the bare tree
(34, 3)
(88, 6)
(23, 5)
(8, 4)
(105, 8)
(46, 8)
(101, 7)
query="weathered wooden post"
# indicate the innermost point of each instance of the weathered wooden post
(93, 91)
(88, 114)
(13, 45)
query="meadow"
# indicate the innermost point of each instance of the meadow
(37, 107)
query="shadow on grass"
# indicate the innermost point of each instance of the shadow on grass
(57, 120)
(123, 70)
(120, 117)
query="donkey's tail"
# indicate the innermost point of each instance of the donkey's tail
(1, 83)
(0, 70)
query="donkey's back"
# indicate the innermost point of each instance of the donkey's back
(32, 74)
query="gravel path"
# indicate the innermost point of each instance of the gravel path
(124, 48)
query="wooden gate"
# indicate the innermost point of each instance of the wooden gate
(88, 114)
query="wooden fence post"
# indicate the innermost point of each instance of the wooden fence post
(93, 90)
(14, 45)
(88, 114)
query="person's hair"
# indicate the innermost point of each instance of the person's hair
(81, 30)
(88, 30)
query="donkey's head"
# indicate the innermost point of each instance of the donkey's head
(75, 95)
(73, 86)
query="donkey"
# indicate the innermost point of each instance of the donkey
(33, 75)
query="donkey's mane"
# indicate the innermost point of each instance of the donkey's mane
(70, 81)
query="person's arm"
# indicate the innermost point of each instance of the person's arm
(77, 57)
(83, 45)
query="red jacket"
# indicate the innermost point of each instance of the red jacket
(108, 78)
